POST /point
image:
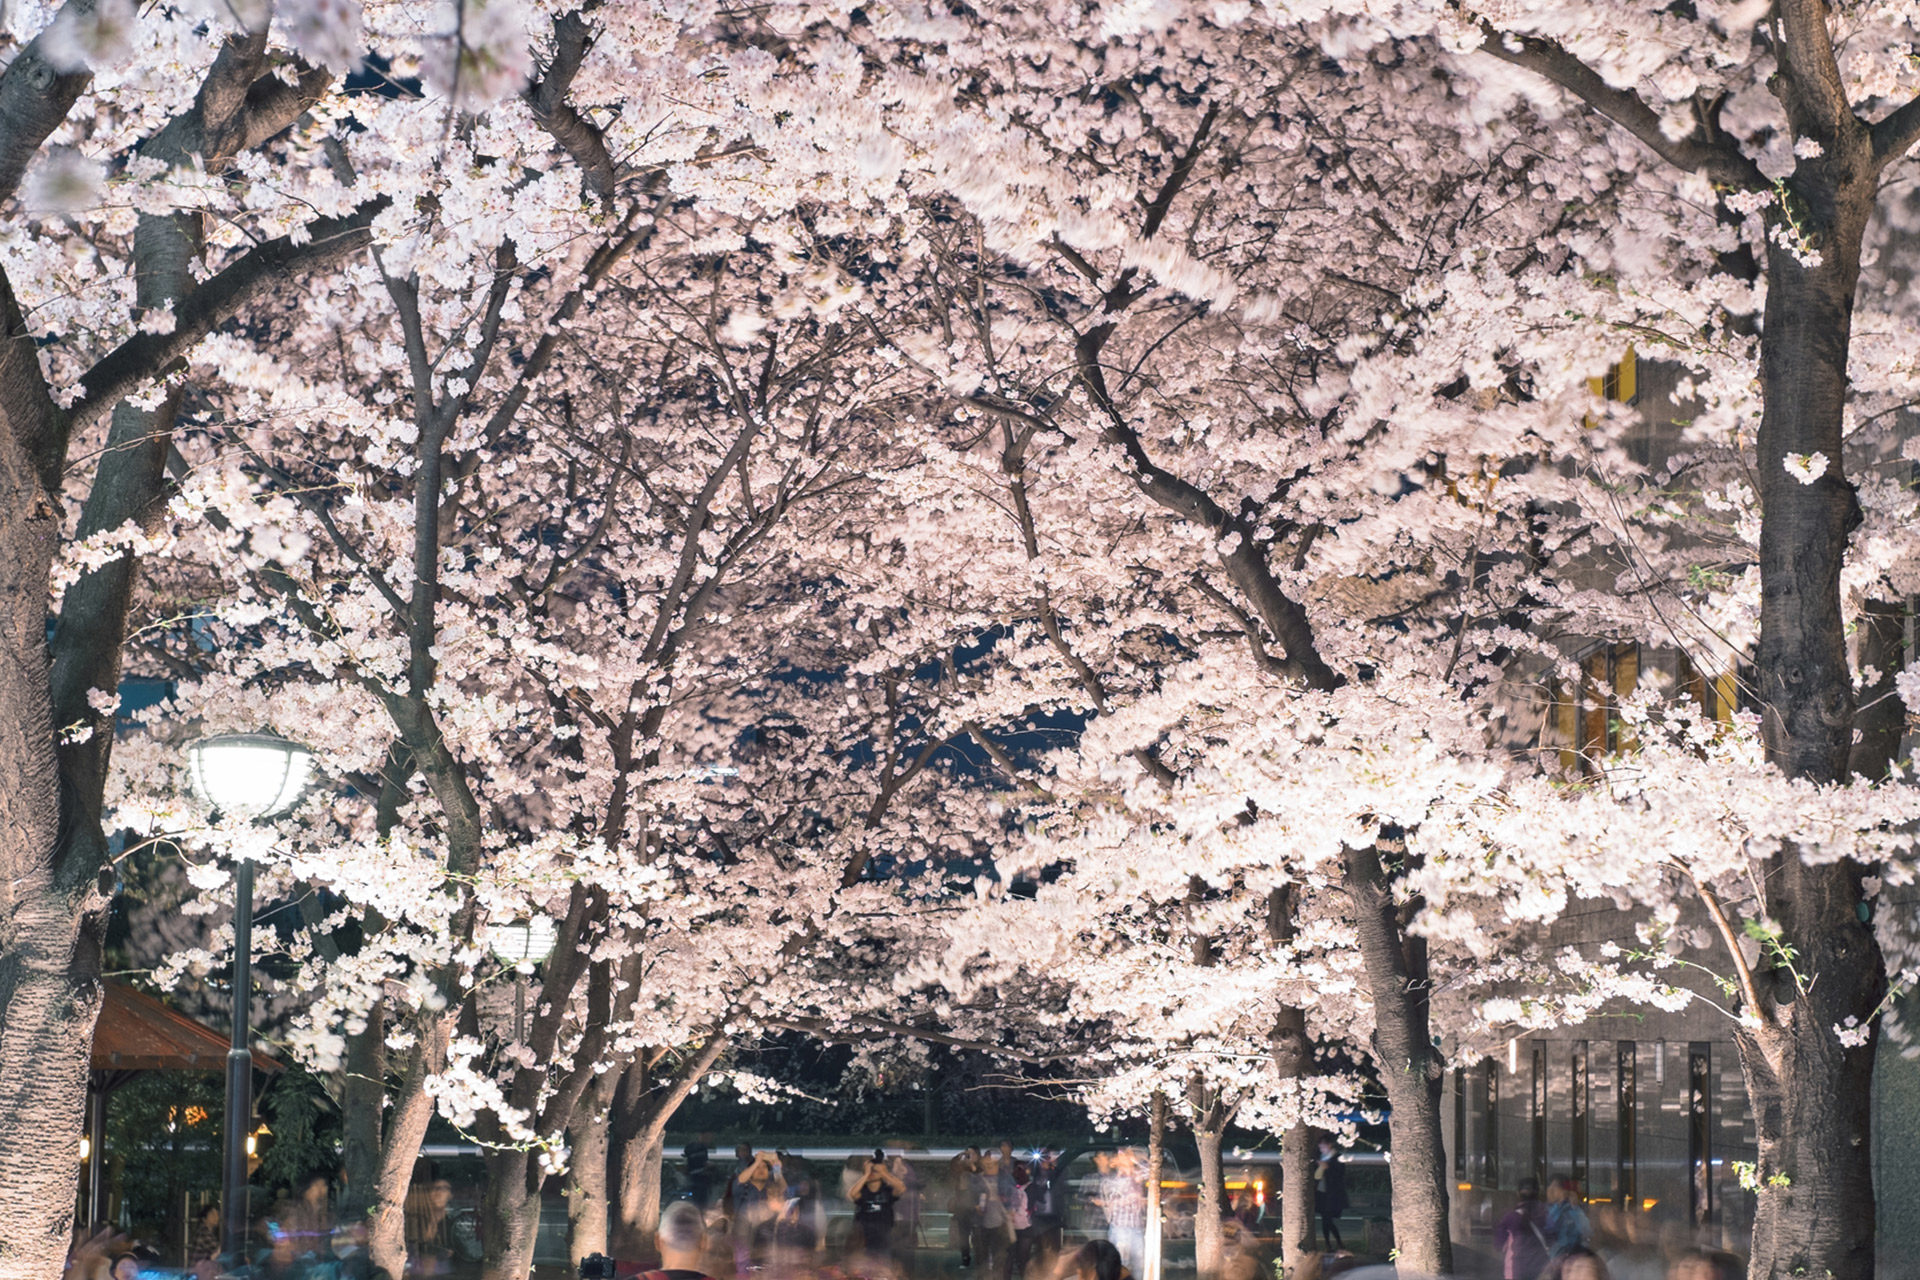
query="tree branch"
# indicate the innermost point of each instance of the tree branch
(34, 99)
(547, 99)
(145, 355)
(1717, 157)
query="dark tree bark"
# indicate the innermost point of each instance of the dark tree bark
(1410, 1066)
(1811, 1092)
(406, 1129)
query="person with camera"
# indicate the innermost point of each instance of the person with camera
(758, 1193)
(873, 1197)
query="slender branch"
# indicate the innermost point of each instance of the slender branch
(1749, 991)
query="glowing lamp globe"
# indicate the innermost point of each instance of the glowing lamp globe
(249, 775)
(523, 942)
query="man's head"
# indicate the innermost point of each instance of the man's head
(682, 1237)
(1529, 1188)
(743, 1152)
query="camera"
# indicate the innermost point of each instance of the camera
(596, 1266)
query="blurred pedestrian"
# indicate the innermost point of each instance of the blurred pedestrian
(1097, 1260)
(1123, 1198)
(995, 1236)
(203, 1244)
(429, 1229)
(1521, 1236)
(1330, 1193)
(1046, 1201)
(962, 1209)
(1567, 1228)
(1020, 1221)
(699, 1174)
(1577, 1263)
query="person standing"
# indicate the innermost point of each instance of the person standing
(873, 1197)
(699, 1174)
(758, 1192)
(1521, 1236)
(961, 1206)
(1330, 1193)
(1123, 1197)
(1020, 1222)
(203, 1246)
(1567, 1226)
(995, 1235)
(1046, 1198)
(429, 1229)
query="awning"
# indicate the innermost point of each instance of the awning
(137, 1032)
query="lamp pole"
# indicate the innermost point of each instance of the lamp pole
(234, 1210)
(252, 776)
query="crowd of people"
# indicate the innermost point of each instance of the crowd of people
(696, 1243)
(1005, 1212)
(778, 1216)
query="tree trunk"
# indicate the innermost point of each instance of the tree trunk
(1818, 1218)
(637, 1130)
(510, 1221)
(406, 1129)
(640, 1173)
(587, 1205)
(50, 949)
(1811, 1094)
(1292, 1056)
(1410, 1067)
(363, 1097)
(1150, 1265)
(1209, 1245)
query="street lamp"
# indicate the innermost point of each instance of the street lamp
(251, 776)
(523, 942)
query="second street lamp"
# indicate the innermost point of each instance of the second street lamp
(524, 942)
(251, 776)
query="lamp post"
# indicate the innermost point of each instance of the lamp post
(244, 775)
(523, 942)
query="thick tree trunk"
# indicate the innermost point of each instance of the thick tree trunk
(1811, 1094)
(1209, 1244)
(587, 1205)
(406, 1129)
(641, 1168)
(637, 1132)
(1410, 1067)
(1296, 1196)
(1816, 1211)
(50, 948)
(510, 1222)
